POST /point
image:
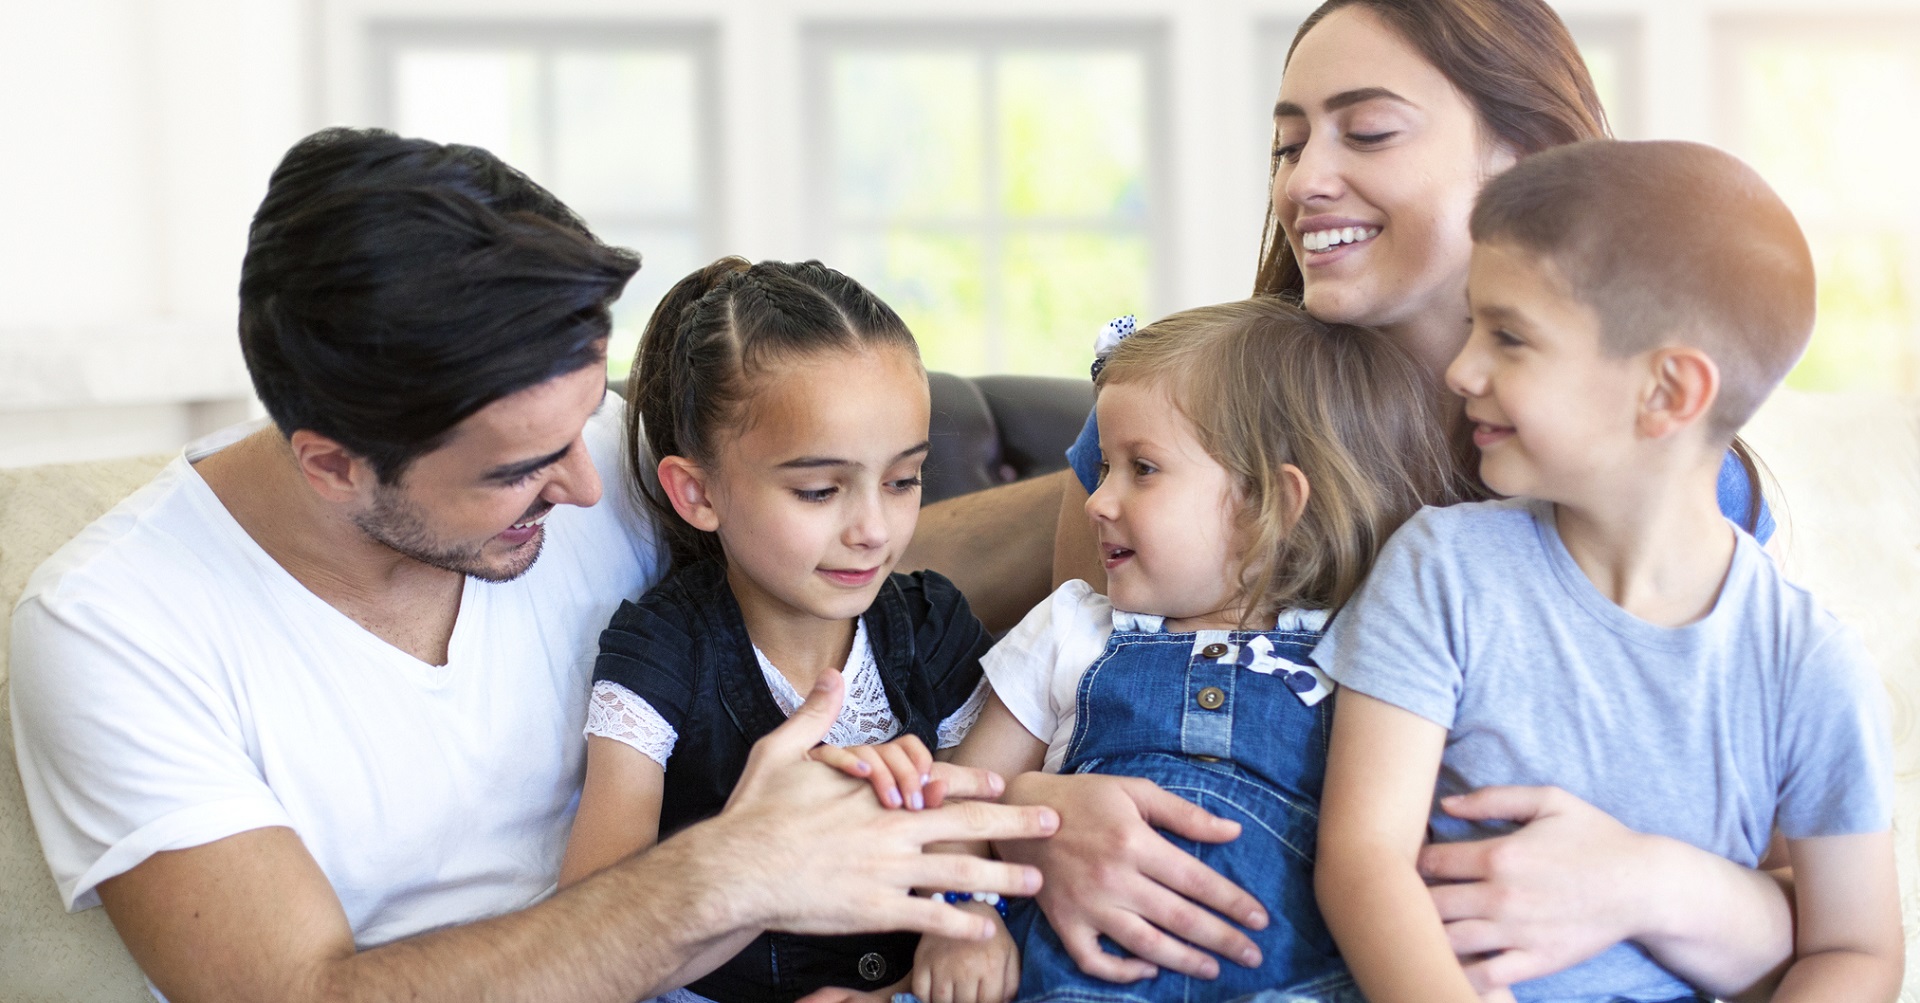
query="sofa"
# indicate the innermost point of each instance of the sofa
(1847, 493)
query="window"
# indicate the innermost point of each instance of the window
(1825, 111)
(615, 120)
(997, 187)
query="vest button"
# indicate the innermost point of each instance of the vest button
(872, 966)
(1211, 698)
(1214, 650)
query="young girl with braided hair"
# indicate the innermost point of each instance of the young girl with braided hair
(778, 424)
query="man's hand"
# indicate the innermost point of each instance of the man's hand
(816, 853)
(1573, 881)
(1109, 873)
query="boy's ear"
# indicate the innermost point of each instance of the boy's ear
(333, 472)
(1683, 384)
(685, 483)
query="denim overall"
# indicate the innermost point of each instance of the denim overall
(1236, 722)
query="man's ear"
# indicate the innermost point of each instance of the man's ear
(1682, 385)
(685, 484)
(333, 472)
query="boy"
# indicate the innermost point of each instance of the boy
(1605, 629)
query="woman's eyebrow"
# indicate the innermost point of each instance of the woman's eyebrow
(1344, 99)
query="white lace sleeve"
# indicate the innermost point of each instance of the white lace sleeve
(958, 723)
(616, 712)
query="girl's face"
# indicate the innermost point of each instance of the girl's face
(1378, 159)
(817, 495)
(1166, 512)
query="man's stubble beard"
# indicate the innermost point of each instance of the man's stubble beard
(396, 524)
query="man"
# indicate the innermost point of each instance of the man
(304, 713)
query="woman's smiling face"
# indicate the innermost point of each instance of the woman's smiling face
(1378, 159)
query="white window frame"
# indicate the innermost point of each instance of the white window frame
(988, 42)
(545, 39)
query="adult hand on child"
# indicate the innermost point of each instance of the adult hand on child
(901, 771)
(1108, 872)
(1572, 882)
(790, 823)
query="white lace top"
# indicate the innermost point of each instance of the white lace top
(865, 717)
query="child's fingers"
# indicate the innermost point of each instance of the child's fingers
(841, 759)
(897, 758)
(880, 773)
(935, 792)
(1009, 975)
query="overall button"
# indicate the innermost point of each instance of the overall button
(1211, 698)
(1214, 650)
(872, 966)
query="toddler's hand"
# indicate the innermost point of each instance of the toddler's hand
(900, 770)
(967, 971)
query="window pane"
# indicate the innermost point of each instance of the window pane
(1060, 287)
(934, 281)
(485, 99)
(907, 135)
(1603, 64)
(1864, 339)
(667, 255)
(625, 139)
(1824, 120)
(1073, 134)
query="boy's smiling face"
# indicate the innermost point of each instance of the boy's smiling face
(1553, 413)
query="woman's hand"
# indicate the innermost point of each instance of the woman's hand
(967, 971)
(1108, 872)
(901, 771)
(1572, 882)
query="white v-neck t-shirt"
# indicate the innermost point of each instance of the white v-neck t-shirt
(174, 685)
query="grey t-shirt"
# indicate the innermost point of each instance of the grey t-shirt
(1765, 713)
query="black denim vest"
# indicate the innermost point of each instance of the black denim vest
(684, 648)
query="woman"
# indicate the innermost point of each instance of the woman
(1392, 113)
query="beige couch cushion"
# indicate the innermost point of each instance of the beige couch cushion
(1848, 468)
(47, 954)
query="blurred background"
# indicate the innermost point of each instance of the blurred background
(1007, 173)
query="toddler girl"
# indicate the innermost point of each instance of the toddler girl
(788, 411)
(1254, 460)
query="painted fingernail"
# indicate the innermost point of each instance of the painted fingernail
(893, 799)
(918, 801)
(926, 778)
(862, 768)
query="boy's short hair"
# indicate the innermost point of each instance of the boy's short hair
(1667, 242)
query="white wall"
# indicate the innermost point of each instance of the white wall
(138, 137)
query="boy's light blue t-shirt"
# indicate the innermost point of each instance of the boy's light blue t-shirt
(1765, 713)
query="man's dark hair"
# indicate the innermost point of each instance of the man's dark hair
(1668, 242)
(392, 287)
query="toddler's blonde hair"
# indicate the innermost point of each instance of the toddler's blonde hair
(1264, 384)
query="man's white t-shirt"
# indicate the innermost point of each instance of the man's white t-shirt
(173, 685)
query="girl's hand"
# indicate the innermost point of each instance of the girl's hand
(901, 771)
(967, 971)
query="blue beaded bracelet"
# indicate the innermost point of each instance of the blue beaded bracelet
(999, 904)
